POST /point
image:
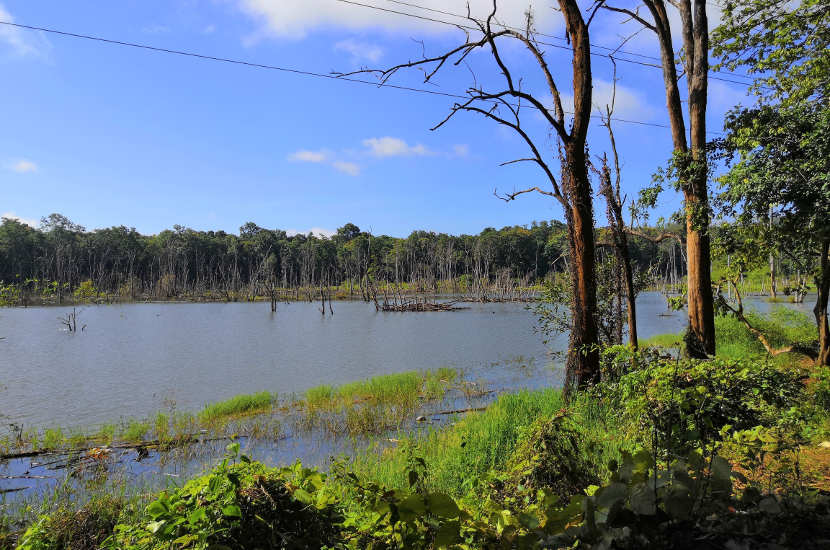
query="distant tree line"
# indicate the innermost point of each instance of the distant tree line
(181, 261)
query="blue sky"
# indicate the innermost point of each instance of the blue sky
(109, 135)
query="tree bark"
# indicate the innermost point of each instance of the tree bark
(582, 367)
(692, 178)
(820, 310)
(701, 301)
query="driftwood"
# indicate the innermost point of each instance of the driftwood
(459, 411)
(415, 305)
(143, 445)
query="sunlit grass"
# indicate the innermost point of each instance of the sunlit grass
(459, 457)
(670, 340)
(238, 405)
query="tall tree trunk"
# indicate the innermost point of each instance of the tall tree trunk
(582, 368)
(820, 310)
(693, 172)
(583, 352)
(698, 254)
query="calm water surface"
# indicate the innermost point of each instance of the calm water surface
(135, 359)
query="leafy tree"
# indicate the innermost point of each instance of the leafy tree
(780, 164)
(780, 149)
(787, 45)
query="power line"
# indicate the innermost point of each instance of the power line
(559, 46)
(290, 70)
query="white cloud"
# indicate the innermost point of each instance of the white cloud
(13, 216)
(460, 150)
(628, 102)
(360, 51)
(20, 42)
(319, 231)
(23, 166)
(393, 147)
(349, 168)
(325, 157)
(292, 19)
(308, 156)
(209, 29)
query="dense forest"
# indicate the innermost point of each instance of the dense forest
(61, 255)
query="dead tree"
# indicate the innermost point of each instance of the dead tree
(70, 321)
(690, 155)
(614, 202)
(505, 107)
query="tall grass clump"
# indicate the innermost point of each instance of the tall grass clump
(135, 430)
(319, 397)
(458, 458)
(399, 388)
(238, 405)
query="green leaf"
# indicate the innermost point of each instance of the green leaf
(157, 509)
(643, 501)
(448, 534)
(612, 494)
(198, 515)
(442, 505)
(154, 526)
(411, 507)
(232, 511)
(303, 496)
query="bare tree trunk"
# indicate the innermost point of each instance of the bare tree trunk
(583, 354)
(692, 171)
(820, 309)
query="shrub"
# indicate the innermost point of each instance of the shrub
(680, 405)
(238, 505)
(549, 455)
(83, 529)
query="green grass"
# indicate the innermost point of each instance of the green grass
(670, 340)
(376, 405)
(403, 389)
(782, 327)
(52, 439)
(135, 430)
(238, 405)
(457, 458)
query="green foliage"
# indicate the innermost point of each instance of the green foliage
(459, 459)
(550, 454)
(238, 405)
(785, 44)
(70, 529)
(820, 388)
(237, 505)
(679, 406)
(135, 430)
(86, 291)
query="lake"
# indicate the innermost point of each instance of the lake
(134, 359)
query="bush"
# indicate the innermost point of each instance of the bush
(549, 455)
(680, 405)
(83, 529)
(236, 506)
